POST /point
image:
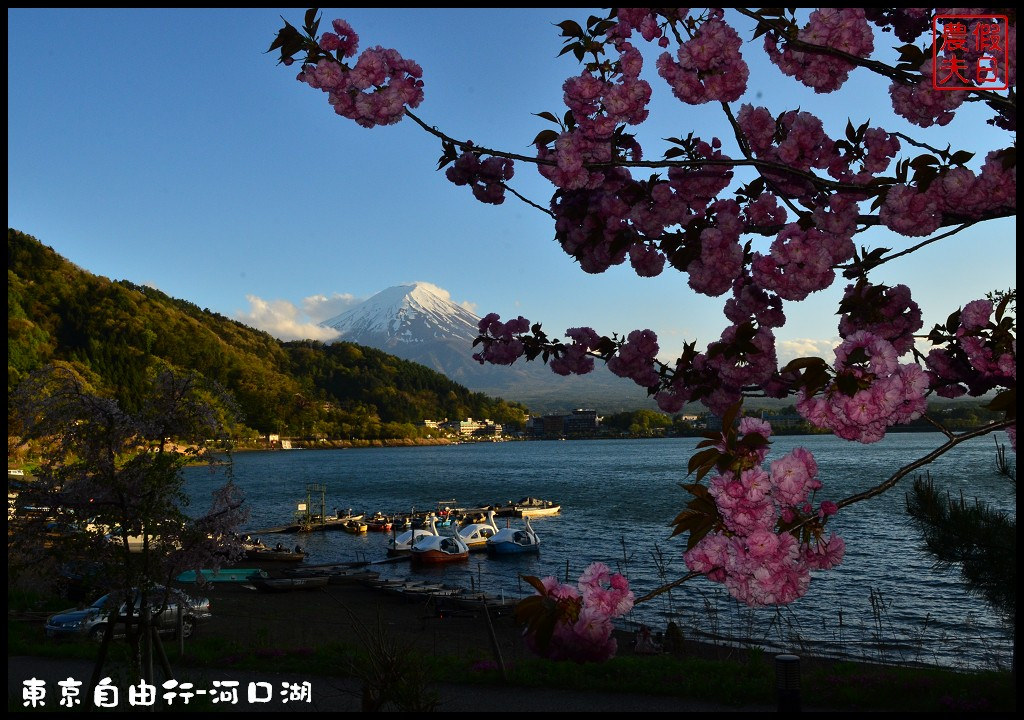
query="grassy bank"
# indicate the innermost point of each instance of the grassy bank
(392, 658)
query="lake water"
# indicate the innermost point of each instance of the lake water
(885, 602)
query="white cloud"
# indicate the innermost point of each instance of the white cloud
(283, 320)
(321, 307)
(437, 290)
(788, 350)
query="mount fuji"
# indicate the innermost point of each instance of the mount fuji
(419, 322)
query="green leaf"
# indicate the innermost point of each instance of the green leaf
(545, 137)
(310, 19)
(1006, 401)
(702, 458)
(548, 116)
(570, 28)
(803, 363)
(536, 583)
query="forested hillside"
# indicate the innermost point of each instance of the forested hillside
(118, 330)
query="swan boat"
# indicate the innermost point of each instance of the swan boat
(401, 544)
(437, 549)
(477, 534)
(509, 541)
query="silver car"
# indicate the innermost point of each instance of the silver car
(91, 622)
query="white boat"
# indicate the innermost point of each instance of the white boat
(477, 534)
(534, 507)
(509, 541)
(437, 549)
(401, 543)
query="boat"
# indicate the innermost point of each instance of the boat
(257, 550)
(402, 544)
(264, 583)
(379, 523)
(437, 549)
(509, 541)
(495, 604)
(345, 577)
(354, 527)
(477, 534)
(533, 507)
(222, 575)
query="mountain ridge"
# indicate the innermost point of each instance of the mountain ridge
(419, 322)
(117, 331)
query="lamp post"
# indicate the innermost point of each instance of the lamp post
(787, 682)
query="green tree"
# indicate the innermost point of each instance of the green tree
(971, 536)
(112, 487)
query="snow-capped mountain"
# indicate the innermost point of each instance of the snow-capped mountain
(406, 315)
(419, 322)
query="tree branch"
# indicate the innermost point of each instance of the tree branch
(921, 462)
(994, 100)
(665, 588)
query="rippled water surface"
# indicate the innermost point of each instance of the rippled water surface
(884, 602)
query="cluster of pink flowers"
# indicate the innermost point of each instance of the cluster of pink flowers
(912, 211)
(721, 255)
(887, 312)
(708, 67)
(698, 186)
(749, 301)
(870, 391)
(876, 153)
(975, 359)
(922, 104)
(758, 562)
(343, 40)
(795, 139)
(590, 223)
(374, 92)
(842, 29)
(799, 263)
(486, 177)
(599, 105)
(575, 360)
(736, 369)
(583, 632)
(635, 358)
(502, 345)
(646, 20)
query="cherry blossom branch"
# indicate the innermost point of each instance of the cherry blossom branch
(993, 99)
(822, 183)
(938, 426)
(526, 200)
(953, 441)
(467, 145)
(915, 248)
(665, 588)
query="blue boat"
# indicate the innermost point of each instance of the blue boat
(509, 541)
(222, 575)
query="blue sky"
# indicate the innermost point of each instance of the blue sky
(167, 148)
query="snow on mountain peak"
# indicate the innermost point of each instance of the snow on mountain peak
(410, 313)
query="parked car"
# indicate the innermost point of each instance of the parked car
(92, 621)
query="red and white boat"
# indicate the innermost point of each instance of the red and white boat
(437, 549)
(379, 523)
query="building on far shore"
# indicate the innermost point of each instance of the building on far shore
(578, 422)
(469, 427)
